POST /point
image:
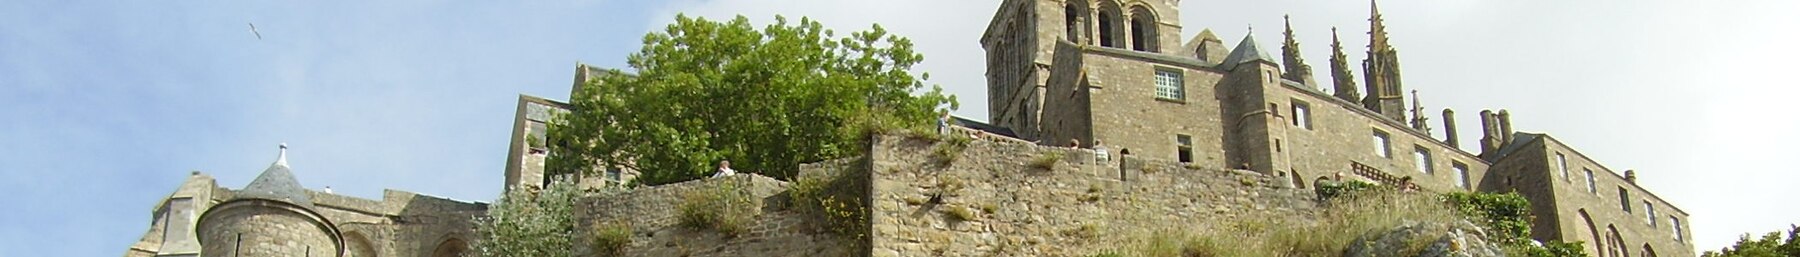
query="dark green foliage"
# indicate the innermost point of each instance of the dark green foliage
(1770, 245)
(768, 100)
(1328, 191)
(1507, 218)
(836, 199)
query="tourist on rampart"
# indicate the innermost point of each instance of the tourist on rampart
(1100, 153)
(724, 169)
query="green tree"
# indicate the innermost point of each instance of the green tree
(1770, 245)
(528, 222)
(769, 100)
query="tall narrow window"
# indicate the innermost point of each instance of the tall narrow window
(1562, 164)
(1184, 148)
(1592, 188)
(1676, 223)
(1106, 29)
(1422, 159)
(1462, 174)
(1624, 199)
(1143, 30)
(1073, 25)
(1168, 84)
(1381, 145)
(1302, 114)
(1650, 213)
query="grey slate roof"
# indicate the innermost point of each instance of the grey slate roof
(277, 183)
(1246, 51)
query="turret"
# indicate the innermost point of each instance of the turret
(272, 216)
(1295, 67)
(1419, 121)
(1343, 82)
(1382, 71)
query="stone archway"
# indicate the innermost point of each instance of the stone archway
(1596, 246)
(452, 247)
(358, 245)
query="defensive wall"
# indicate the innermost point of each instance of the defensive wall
(995, 197)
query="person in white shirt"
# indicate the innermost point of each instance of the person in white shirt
(1100, 152)
(724, 169)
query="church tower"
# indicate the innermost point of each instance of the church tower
(1023, 36)
(1381, 71)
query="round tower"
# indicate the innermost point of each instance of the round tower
(273, 216)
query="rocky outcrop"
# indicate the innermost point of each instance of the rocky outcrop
(1458, 239)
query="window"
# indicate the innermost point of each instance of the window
(1462, 174)
(1168, 84)
(1675, 223)
(1422, 159)
(1072, 16)
(1562, 164)
(1590, 180)
(1184, 148)
(1650, 213)
(614, 174)
(1108, 21)
(1381, 145)
(1624, 199)
(1302, 114)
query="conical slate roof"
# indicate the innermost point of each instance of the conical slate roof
(1246, 51)
(277, 184)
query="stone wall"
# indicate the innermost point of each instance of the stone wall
(1568, 211)
(1078, 207)
(652, 214)
(1342, 133)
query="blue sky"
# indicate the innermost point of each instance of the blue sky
(108, 105)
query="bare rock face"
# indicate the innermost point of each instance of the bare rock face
(1460, 239)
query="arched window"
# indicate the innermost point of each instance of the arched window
(1075, 26)
(1143, 30)
(1615, 245)
(1647, 252)
(1111, 27)
(1593, 238)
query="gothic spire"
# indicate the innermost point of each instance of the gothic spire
(1382, 71)
(1419, 121)
(1343, 82)
(1296, 68)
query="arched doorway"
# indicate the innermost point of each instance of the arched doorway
(450, 248)
(358, 245)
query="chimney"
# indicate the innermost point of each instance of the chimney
(1631, 177)
(1489, 143)
(1506, 132)
(1450, 128)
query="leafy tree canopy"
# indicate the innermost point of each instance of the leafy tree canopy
(769, 100)
(1769, 245)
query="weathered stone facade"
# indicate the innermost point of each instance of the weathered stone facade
(1199, 106)
(204, 219)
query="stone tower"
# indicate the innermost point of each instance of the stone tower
(1022, 38)
(271, 217)
(1381, 71)
(1343, 82)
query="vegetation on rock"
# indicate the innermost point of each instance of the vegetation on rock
(725, 208)
(769, 100)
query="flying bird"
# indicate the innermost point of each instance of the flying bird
(253, 31)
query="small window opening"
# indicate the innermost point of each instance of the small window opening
(1184, 150)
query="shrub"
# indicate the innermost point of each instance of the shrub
(961, 213)
(835, 200)
(611, 239)
(989, 208)
(1046, 161)
(949, 148)
(724, 208)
